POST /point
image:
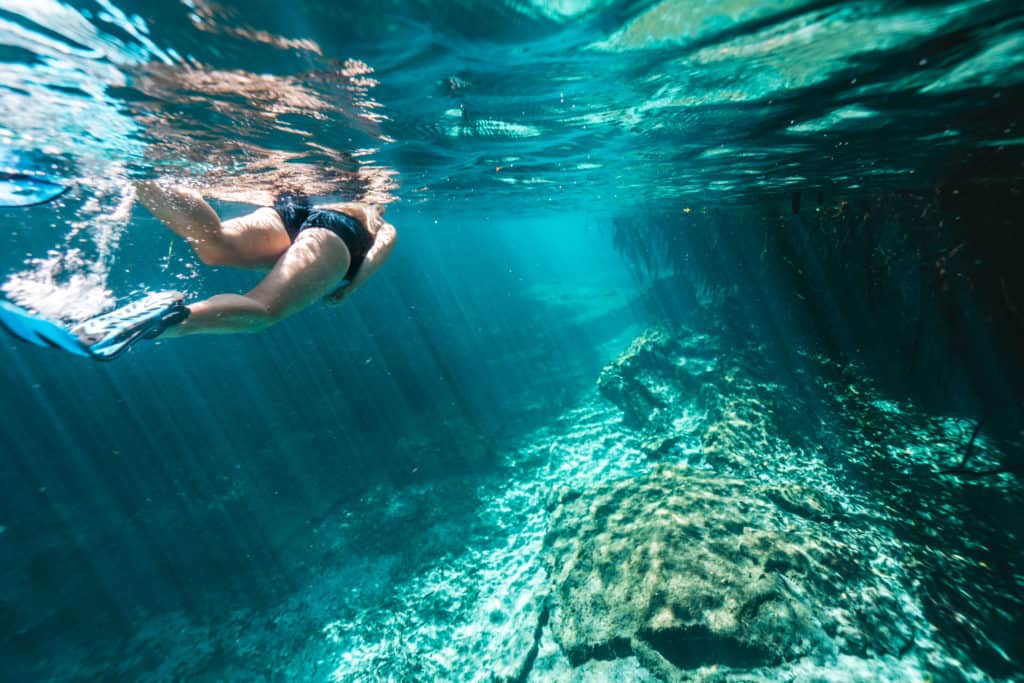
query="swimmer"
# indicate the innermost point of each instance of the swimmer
(312, 252)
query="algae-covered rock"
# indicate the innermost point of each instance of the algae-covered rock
(648, 379)
(658, 446)
(739, 428)
(805, 501)
(671, 386)
(688, 570)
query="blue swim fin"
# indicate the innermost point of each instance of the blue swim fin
(28, 189)
(39, 331)
(111, 334)
(104, 337)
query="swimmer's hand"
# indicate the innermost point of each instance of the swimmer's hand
(383, 242)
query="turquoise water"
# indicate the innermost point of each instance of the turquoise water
(698, 357)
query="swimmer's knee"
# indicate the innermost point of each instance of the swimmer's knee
(210, 258)
(213, 254)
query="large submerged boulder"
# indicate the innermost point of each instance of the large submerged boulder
(690, 570)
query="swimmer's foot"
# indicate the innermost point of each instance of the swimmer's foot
(112, 333)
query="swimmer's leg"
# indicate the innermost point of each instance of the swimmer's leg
(255, 240)
(311, 268)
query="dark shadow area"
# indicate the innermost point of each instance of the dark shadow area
(615, 648)
(922, 287)
(697, 646)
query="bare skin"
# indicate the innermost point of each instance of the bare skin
(301, 273)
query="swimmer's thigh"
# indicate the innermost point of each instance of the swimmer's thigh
(255, 240)
(312, 267)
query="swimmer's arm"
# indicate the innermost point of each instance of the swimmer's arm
(383, 243)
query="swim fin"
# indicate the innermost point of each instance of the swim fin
(104, 337)
(27, 189)
(38, 331)
(111, 334)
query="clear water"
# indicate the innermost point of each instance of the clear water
(364, 492)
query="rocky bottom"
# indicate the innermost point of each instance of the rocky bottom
(703, 515)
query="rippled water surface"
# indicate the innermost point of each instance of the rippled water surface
(622, 99)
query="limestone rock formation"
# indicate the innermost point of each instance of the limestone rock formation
(689, 571)
(664, 378)
(647, 380)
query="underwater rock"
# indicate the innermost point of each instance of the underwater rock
(671, 386)
(739, 429)
(749, 421)
(657, 370)
(805, 501)
(689, 570)
(658, 446)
